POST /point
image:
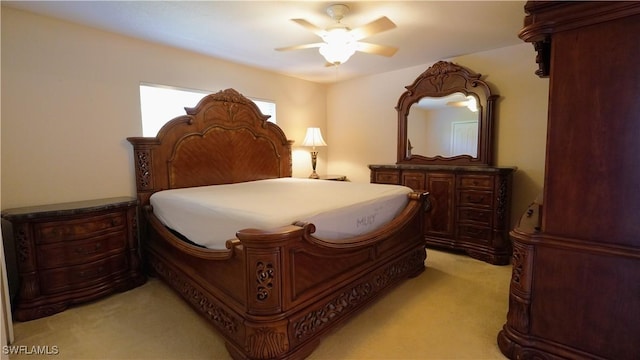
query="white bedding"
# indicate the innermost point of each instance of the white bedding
(211, 215)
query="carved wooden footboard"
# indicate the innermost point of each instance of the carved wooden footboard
(272, 295)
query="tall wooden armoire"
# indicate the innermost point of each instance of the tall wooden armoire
(575, 288)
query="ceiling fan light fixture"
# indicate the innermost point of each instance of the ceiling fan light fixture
(337, 53)
(340, 42)
(472, 104)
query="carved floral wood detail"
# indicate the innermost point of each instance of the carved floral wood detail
(231, 99)
(264, 279)
(224, 320)
(520, 296)
(358, 294)
(503, 197)
(143, 169)
(517, 261)
(22, 240)
(439, 72)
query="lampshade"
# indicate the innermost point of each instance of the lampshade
(313, 138)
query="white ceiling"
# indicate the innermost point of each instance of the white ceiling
(247, 32)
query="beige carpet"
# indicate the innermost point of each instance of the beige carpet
(453, 310)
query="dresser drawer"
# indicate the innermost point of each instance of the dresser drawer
(81, 276)
(387, 177)
(479, 216)
(80, 251)
(475, 182)
(476, 234)
(475, 198)
(55, 231)
(414, 180)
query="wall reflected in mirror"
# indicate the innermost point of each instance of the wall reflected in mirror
(445, 126)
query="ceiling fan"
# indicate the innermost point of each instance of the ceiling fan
(470, 102)
(340, 42)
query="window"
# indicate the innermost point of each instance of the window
(159, 104)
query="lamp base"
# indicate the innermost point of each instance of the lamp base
(314, 158)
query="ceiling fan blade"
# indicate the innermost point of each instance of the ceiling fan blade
(376, 49)
(299, 47)
(374, 27)
(309, 26)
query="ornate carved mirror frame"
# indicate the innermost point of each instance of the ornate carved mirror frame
(440, 80)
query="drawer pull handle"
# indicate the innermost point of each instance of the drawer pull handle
(90, 251)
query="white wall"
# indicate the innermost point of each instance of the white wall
(362, 120)
(70, 97)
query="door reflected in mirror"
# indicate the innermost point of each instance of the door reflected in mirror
(443, 126)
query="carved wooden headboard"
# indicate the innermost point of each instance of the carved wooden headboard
(224, 139)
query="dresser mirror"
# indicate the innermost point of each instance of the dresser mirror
(446, 117)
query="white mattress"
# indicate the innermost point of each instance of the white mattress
(211, 215)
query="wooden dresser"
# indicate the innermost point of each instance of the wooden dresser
(73, 252)
(468, 206)
(469, 198)
(575, 289)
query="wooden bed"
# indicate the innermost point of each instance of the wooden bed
(271, 294)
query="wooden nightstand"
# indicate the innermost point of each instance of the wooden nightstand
(73, 252)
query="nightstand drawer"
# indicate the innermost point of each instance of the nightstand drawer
(55, 231)
(476, 198)
(475, 182)
(80, 251)
(81, 276)
(475, 215)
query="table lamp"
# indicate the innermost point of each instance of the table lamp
(313, 139)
